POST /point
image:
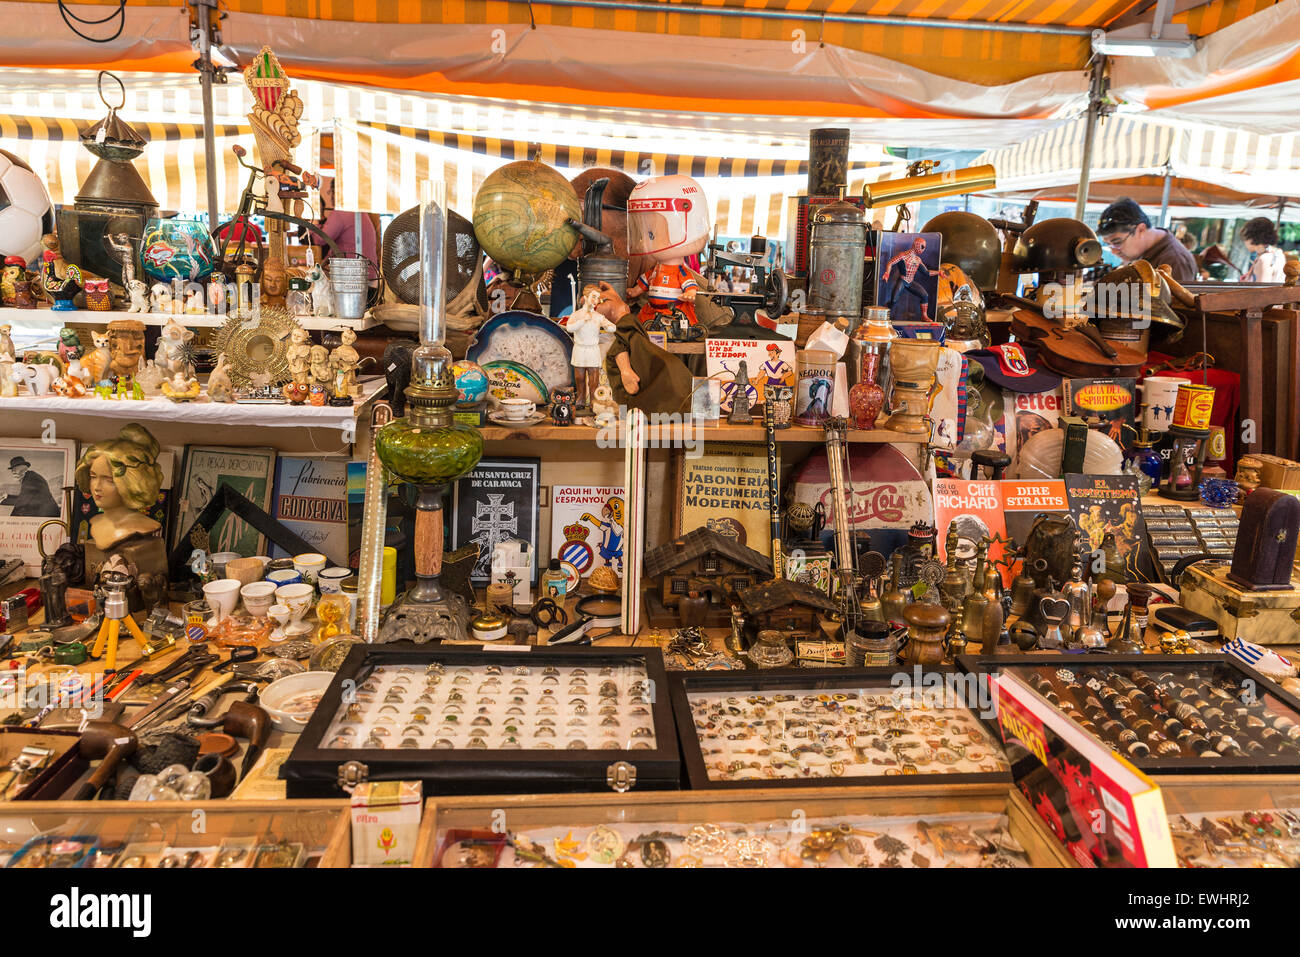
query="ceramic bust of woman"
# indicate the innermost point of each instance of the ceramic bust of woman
(122, 477)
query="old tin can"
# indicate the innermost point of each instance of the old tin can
(1193, 406)
(836, 250)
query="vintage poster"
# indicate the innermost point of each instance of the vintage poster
(250, 472)
(725, 490)
(976, 509)
(1031, 413)
(767, 363)
(1107, 405)
(587, 526)
(498, 500)
(1023, 500)
(84, 508)
(311, 501)
(31, 494)
(1109, 505)
(908, 282)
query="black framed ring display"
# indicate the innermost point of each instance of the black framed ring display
(819, 727)
(1167, 714)
(484, 719)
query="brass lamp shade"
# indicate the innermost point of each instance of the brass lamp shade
(914, 189)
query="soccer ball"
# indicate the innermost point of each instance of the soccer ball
(25, 211)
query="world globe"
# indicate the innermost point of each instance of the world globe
(521, 216)
(471, 382)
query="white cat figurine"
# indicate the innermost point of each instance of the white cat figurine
(161, 296)
(139, 296)
(322, 292)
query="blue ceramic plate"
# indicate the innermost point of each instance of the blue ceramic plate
(529, 340)
(514, 380)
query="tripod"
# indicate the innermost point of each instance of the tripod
(117, 612)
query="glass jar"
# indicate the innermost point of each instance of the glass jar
(770, 650)
(199, 619)
(874, 644)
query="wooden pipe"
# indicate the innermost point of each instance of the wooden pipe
(244, 720)
(1176, 289)
(108, 743)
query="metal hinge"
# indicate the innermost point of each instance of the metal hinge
(1238, 610)
(621, 776)
(352, 773)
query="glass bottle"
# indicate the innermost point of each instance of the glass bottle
(554, 583)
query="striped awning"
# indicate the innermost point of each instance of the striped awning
(1131, 147)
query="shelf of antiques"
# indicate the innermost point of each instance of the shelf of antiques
(181, 834)
(954, 825)
(11, 315)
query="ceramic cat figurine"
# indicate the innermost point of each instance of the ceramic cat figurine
(322, 292)
(139, 296)
(97, 360)
(161, 298)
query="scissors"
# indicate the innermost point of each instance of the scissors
(237, 655)
(194, 660)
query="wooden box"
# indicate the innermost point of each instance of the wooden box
(781, 817)
(1264, 617)
(1277, 472)
(323, 828)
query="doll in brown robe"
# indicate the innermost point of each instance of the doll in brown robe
(642, 375)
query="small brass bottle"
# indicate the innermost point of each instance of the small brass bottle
(894, 600)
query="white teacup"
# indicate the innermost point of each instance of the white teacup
(258, 597)
(223, 595)
(309, 565)
(517, 409)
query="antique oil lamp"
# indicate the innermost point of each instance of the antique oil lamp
(427, 447)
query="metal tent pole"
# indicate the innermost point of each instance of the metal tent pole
(202, 35)
(1164, 196)
(1096, 97)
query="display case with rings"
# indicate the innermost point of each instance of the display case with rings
(923, 824)
(538, 719)
(814, 727)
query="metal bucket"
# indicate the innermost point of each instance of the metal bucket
(350, 280)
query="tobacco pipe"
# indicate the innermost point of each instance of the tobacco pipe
(108, 743)
(244, 720)
(220, 772)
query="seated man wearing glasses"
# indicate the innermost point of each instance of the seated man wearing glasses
(1129, 234)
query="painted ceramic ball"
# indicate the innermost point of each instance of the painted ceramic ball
(471, 382)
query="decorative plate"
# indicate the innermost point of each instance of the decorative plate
(528, 339)
(536, 418)
(256, 347)
(514, 380)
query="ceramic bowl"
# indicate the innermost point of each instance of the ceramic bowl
(283, 576)
(258, 597)
(309, 565)
(331, 579)
(287, 699)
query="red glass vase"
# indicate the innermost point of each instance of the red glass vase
(867, 398)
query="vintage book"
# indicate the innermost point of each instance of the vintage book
(587, 526)
(498, 500)
(976, 507)
(31, 494)
(1110, 505)
(311, 500)
(84, 508)
(1027, 414)
(1107, 405)
(1101, 809)
(1023, 500)
(249, 471)
(725, 490)
(767, 362)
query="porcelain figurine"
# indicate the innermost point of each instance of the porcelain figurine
(667, 221)
(585, 324)
(321, 376)
(37, 376)
(61, 290)
(8, 383)
(7, 343)
(24, 294)
(195, 304)
(97, 360)
(181, 388)
(69, 344)
(322, 291)
(217, 294)
(126, 345)
(69, 387)
(172, 349)
(98, 298)
(122, 245)
(150, 380)
(603, 407)
(160, 298)
(220, 387)
(344, 359)
(78, 371)
(139, 294)
(13, 270)
(299, 358)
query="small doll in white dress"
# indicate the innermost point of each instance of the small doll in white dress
(585, 325)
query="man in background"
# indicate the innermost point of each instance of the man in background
(1129, 234)
(340, 226)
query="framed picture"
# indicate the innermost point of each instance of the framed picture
(31, 494)
(908, 282)
(250, 472)
(497, 501)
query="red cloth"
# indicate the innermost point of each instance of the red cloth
(1227, 401)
